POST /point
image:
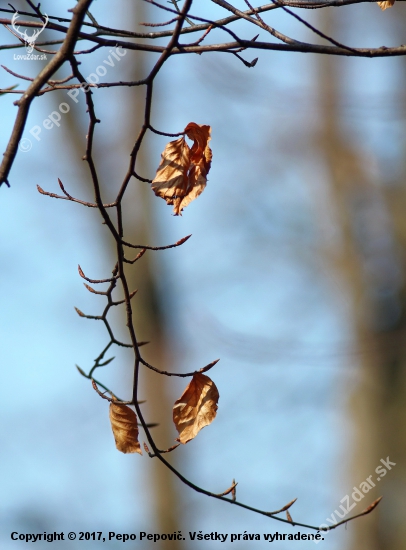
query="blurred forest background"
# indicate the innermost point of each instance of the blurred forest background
(294, 277)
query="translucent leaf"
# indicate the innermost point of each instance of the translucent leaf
(125, 428)
(386, 4)
(196, 408)
(182, 172)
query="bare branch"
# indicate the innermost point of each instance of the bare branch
(113, 219)
(25, 102)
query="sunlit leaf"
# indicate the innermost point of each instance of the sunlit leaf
(196, 408)
(125, 428)
(386, 4)
(182, 172)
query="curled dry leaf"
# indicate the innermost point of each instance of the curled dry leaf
(125, 428)
(196, 408)
(386, 4)
(182, 173)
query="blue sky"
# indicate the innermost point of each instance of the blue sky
(249, 287)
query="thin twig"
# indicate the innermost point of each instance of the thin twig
(46, 73)
(166, 247)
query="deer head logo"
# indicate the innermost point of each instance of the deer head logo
(29, 40)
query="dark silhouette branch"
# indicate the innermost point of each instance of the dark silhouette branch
(79, 12)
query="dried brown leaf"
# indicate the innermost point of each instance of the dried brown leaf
(171, 180)
(125, 428)
(386, 4)
(200, 159)
(196, 408)
(182, 173)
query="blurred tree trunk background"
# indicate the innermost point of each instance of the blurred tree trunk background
(149, 318)
(369, 261)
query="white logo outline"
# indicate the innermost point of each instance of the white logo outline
(29, 40)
